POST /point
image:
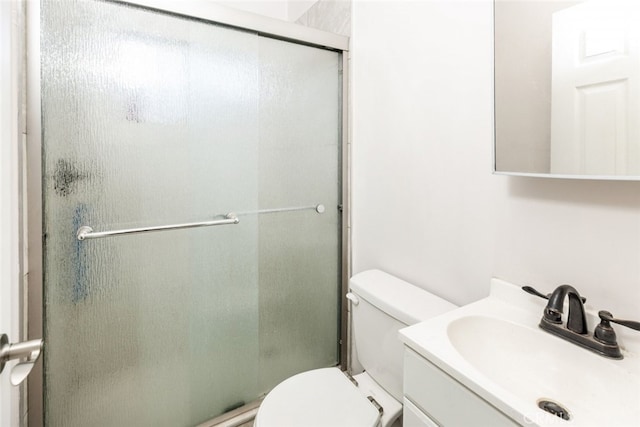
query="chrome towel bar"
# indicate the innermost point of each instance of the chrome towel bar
(318, 208)
(86, 232)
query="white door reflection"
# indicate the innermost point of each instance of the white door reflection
(595, 100)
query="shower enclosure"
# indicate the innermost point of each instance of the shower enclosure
(192, 204)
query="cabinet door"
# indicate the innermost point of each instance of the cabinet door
(450, 403)
(414, 417)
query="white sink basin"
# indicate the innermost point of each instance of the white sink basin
(511, 363)
(534, 365)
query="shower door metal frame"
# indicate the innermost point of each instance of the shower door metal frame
(32, 191)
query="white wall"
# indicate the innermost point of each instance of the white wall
(287, 10)
(423, 194)
(297, 8)
(278, 9)
(333, 16)
(425, 205)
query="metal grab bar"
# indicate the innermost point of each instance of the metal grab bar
(86, 232)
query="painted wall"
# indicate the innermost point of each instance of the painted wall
(297, 8)
(278, 9)
(425, 205)
(333, 16)
(287, 10)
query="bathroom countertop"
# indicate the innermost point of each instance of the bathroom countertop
(508, 303)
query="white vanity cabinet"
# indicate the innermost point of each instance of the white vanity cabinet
(433, 398)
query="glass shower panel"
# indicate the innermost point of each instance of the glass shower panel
(299, 163)
(148, 119)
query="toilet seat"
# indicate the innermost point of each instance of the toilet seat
(317, 398)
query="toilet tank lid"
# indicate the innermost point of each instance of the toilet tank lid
(401, 300)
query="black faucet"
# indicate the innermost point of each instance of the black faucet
(576, 320)
(603, 341)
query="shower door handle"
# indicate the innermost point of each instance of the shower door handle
(30, 350)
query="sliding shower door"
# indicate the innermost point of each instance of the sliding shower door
(149, 120)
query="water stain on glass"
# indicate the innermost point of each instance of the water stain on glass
(65, 177)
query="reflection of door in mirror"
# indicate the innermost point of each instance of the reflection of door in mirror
(595, 100)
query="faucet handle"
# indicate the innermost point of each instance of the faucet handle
(605, 333)
(605, 316)
(533, 291)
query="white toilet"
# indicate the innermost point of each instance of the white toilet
(381, 305)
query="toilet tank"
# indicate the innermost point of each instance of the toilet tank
(385, 305)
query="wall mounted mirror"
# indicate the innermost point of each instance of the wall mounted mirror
(567, 88)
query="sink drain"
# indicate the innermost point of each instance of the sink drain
(554, 408)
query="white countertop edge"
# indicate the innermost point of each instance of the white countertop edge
(459, 369)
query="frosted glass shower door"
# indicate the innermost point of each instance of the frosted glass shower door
(151, 119)
(147, 120)
(299, 165)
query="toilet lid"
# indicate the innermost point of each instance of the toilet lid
(318, 398)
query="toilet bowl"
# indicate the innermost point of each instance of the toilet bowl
(380, 305)
(325, 398)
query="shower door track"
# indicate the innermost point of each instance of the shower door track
(32, 314)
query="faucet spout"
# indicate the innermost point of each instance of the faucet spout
(576, 319)
(603, 340)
